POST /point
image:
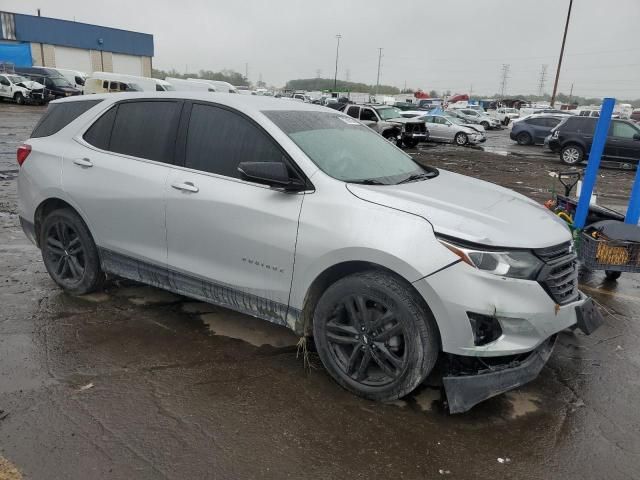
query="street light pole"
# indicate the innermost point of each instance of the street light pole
(564, 39)
(335, 77)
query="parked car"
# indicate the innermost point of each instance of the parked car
(572, 139)
(396, 263)
(20, 89)
(109, 82)
(405, 106)
(180, 84)
(445, 128)
(588, 112)
(504, 114)
(97, 85)
(75, 77)
(534, 129)
(635, 116)
(55, 85)
(473, 116)
(219, 85)
(389, 122)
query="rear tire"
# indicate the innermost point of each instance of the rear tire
(485, 125)
(524, 138)
(375, 336)
(571, 154)
(69, 253)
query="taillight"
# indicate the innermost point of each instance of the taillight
(23, 152)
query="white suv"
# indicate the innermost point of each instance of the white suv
(304, 217)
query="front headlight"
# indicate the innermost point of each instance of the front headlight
(514, 264)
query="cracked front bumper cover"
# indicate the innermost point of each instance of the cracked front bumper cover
(465, 391)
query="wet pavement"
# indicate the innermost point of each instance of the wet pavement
(137, 383)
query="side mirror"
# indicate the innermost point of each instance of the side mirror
(636, 136)
(274, 174)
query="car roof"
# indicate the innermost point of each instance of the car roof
(246, 103)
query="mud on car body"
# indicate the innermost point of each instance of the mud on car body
(304, 217)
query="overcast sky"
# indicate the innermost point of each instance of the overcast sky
(435, 44)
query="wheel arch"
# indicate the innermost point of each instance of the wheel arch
(332, 274)
(46, 207)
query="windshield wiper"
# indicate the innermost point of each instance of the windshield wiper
(369, 181)
(416, 177)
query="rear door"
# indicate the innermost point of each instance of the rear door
(539, 129)
(230, 241)
(116, 172)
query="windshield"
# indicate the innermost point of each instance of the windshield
(168, 87)
(60, 82)
(17, 78)
(345, 149)
(510, 110)
(389, 113)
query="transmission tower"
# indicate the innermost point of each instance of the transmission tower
(543, 77)
(505, 76)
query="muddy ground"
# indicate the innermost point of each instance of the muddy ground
(136, 383)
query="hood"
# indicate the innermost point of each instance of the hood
(30, 85)
(472, 210)
(474, 126)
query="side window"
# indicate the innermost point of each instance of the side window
(159, 88)
(145, 129)
(48, 83)
(4, 81)
(623, 130)
(538, 122)
(105, 85)
(428, 119)
(367, 114)
(353, 112)
(218, 140)
(99, 133)
(59, 115)
(552, 122)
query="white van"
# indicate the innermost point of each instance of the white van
(220, 86)
(183, 85)
(102, 85)
(101, 82)
(75, 77)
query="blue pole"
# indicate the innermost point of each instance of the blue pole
(591, 173)
(633, 209)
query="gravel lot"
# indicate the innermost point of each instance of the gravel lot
(137, 383)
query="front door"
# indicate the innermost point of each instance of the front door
(626, 148)
(230, 241)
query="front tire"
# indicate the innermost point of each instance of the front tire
(461, 139)
(571, 154)
(19, 98)
(611, 275)
(410, 142)
(485, 125)
(375, 336)
(69, 253)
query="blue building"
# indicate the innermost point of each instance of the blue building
(28, 40)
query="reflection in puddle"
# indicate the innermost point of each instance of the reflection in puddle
(249, 329)
(142, 295)
(522, 403)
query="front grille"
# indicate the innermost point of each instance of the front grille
(417, 127)
(559, 276)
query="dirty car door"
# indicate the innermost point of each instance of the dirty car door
(230, 241)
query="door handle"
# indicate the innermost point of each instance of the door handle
(83, 162)
(186, 186)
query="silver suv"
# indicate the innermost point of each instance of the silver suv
(306, 218)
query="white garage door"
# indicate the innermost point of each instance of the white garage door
(73, 59)
(128, 64)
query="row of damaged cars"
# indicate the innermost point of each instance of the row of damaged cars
(408, 128)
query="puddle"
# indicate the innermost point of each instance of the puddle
(148, 295)
(249, 329)
(97, 297)
(522, 403)
(199, 307)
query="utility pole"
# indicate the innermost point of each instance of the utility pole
(543, 76)
(505, 76)
(570, 94)
(318, 73)
(246, 71)
(347, 75)
(378, 78)
(471, 91)
(335, 77)
(564, 39)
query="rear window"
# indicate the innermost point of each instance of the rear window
(59, 115)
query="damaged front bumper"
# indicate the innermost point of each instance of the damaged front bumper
(465, 386)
